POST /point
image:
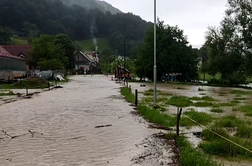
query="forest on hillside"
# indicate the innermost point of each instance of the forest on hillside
(32, 18)
(92, 4)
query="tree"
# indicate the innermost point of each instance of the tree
(44, 49)
(5, 37)
(173, 54)
(67, 46)
(51, 64)
(204, 59)
(229, 47)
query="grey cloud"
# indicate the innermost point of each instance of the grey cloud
(193, 16)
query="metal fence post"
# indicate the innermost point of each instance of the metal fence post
(26, 90)
(136, 97)
(179, 111)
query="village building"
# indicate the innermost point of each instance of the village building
(19, 51)
(10, 65)
(87, 61)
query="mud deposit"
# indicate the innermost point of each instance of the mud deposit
(85, 123)
(158, 151)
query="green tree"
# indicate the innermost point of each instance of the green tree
(67, 46)
(173, 54)
(229, 46)
(52, 64)
(5, 36)
(43, 49)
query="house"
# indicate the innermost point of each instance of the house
(88, 61)
(18, 51)
(10, 65)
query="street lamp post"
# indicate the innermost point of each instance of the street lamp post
(155, 56)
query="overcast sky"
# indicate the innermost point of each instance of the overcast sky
(193, 16)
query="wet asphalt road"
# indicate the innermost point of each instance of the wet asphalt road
(86, 123)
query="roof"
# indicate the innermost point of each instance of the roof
(86, 56)
(4, 53)
(17, 49)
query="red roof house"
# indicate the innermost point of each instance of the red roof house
(17, 50)
(5, 54)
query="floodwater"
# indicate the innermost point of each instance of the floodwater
(86, 123)
(221, 94)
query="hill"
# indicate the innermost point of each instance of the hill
(93, 4)
(79, 23)
(19, 41)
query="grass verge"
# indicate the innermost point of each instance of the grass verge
(191, 156)
(129, 97)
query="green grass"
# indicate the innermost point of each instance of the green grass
(216, 110)
(87, 45)
(241, 92)
(204, 98)
(247, 109)
(216, 145)
(150, 92)
(200, 117)
(128, 95)
(7, 94)
(180, 101)
(31, 83)
(19, 41)
(6, 86)
(192, 157)
(157, 117)
(228, 121)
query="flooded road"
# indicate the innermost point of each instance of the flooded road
(86, 123)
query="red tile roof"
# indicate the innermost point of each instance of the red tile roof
(4, 53)
(17, 49)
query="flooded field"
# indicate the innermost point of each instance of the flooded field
(86, 123)
(220, 94)
(229, 111)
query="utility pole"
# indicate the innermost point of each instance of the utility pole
(155, 54)
(124, 53)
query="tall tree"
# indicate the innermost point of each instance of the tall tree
(229, 47)
(68, 48)
(173, 54)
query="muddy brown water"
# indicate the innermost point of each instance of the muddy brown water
(86, 123)
(193, 91)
